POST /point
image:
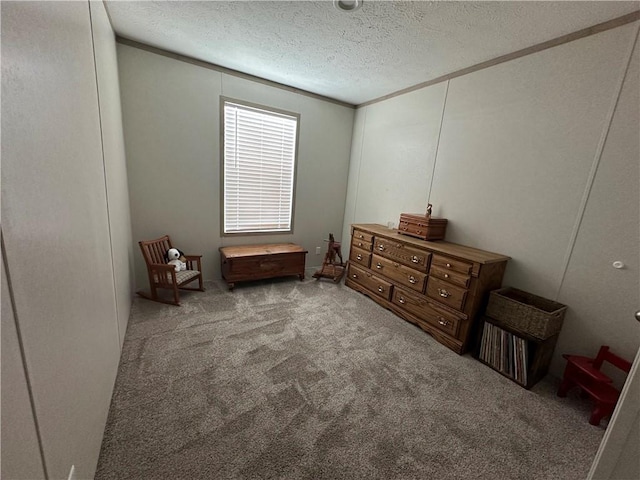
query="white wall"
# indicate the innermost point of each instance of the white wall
(171, 114)
(115, 167)
(516, 151)
(59, 230)
(171, 136)
(603, 299)
(401, 137)
(518, 141)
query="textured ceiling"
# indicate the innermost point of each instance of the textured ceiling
(357, 56)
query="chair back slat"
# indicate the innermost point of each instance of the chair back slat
(153, 251)
(158, 256)
(600, 357)
(619, 362)
(606, 355)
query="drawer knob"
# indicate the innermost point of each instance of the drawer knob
(359, 257)
(404, 228)
(359, 244)
(418, 232)
(415, 259)
(402, 300)
(443, 293)
(446, 275)
(379, 266)
(443, 322)
(398, 245)
(381, 247)
(354, 275)
(448, 265)
(361, 236)
(381, 289)
(412, 279)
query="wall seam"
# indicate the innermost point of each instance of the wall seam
(23, 356)
(435, 157)
(355, 200)
(104, 171)
(346, 187)
(596, 163)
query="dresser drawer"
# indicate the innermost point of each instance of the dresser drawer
(412, 228)
(426, 310)
(359, 256)
(448, 263)
(377, 285)
(446, 293)
(360, 236)
(443, 319)
(402, 274)
(450, 276)
(361, 244)
(398, 252)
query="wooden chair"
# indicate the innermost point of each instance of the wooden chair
(164, 276)
(585, 373)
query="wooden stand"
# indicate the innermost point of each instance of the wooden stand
(334, 272)
(518, 356)
(331, 269)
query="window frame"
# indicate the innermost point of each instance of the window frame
(268, 109)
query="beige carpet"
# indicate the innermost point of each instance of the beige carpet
(312, 380)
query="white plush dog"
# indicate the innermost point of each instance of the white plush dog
(173, 256)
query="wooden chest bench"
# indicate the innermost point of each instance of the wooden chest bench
(257, 262)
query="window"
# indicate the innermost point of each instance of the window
(259, 150)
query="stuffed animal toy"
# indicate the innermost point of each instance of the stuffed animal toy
(176, 258)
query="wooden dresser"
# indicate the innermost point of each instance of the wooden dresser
(440, 286)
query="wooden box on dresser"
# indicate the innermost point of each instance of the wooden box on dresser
(442, 287)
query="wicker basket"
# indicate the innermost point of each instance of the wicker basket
(526, 312)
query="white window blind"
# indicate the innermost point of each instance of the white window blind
(259, 162)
